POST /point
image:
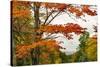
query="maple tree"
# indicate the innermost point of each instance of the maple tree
(28, 28)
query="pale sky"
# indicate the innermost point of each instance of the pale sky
(72, 45)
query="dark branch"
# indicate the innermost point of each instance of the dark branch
(51, 38)
(54, 17)
(48, 17)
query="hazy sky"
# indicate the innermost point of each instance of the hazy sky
(72, 45)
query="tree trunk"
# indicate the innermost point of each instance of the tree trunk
(35, 54)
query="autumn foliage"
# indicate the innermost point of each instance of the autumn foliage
(28, 30)
(64, 29)
(20, 9)
(23, 50)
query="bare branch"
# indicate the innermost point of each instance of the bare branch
(48, 17)
(70, 15)
(51, 37)
(54, 17)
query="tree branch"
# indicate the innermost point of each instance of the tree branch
(70, 15)
(54, 17)
(51, 38)
(49, 35)
(48, 17)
